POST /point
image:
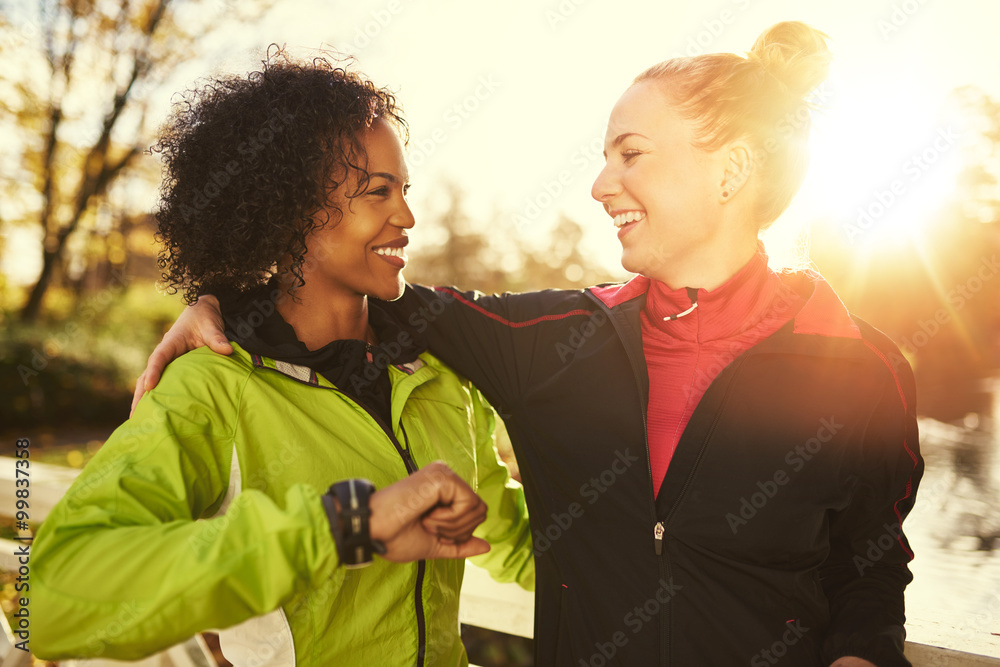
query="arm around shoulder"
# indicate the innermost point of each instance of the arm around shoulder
(493, 340)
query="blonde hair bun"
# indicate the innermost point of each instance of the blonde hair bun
(795, 54)
(762, 98)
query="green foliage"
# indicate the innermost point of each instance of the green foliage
(78, 364)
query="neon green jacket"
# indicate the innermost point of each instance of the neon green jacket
(203, 511)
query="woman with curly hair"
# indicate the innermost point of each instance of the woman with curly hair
(717, 457)
(210, 507)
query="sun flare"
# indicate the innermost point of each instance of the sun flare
(885, 160)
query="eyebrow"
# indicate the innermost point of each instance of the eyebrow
(392, 178)
(622, 137)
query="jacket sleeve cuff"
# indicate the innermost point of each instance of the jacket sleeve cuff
(883, 650)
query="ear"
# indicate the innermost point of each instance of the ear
(738, 165)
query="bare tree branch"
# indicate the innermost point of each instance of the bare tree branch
(128, 47)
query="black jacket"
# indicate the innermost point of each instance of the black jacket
(776, 536)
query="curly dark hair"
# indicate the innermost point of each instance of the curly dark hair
(250, 165)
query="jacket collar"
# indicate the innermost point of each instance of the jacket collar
(823, 314)
(307, 375)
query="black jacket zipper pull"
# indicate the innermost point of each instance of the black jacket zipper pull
(406, 452)
(411, 465)
(658, 538)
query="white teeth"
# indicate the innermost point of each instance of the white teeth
(395, 252)
(623, 219)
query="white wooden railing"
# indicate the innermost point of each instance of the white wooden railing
(939, 642)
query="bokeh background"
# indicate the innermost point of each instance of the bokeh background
(507, 104)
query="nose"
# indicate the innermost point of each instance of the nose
(606, 185)
(403, 217)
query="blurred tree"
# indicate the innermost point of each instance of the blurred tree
(468, 255)
(492, 256)
(560, 263)
(78, 81)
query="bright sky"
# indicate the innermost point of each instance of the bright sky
(504, 98)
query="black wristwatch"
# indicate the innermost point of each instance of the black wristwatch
(350, 525)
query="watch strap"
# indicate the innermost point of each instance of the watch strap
(352, 528)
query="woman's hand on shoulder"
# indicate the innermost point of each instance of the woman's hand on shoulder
(200, 324)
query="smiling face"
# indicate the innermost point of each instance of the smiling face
(662, 192)
(363, 253)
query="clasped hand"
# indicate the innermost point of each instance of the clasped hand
(430, 514)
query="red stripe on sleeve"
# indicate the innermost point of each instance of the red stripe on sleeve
(913, 455)
(505, 321)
